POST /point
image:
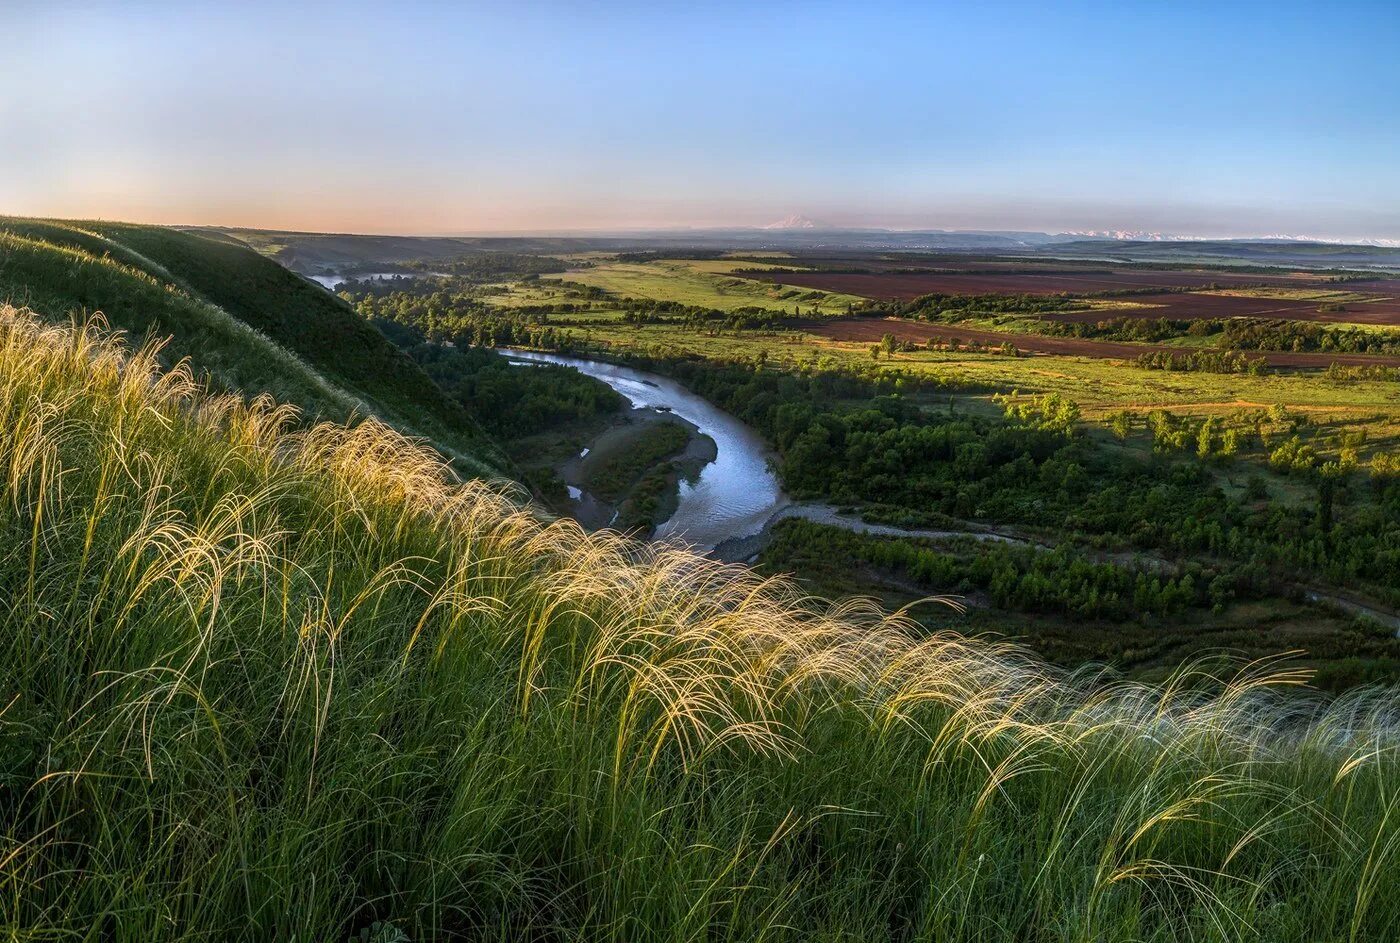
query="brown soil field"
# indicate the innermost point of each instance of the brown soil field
(904, 286)
(871, 330)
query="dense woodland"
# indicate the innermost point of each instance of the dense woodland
(1075, 607)
(1203, 361)
(1268, 334)
(1020, 577)
(1263, 334)
(494, 265)
(453, 315)
(943, 307)
(515, 401)
(906, 460)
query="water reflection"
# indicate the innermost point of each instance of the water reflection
(736, 494)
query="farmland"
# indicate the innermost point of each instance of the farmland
(870, 330)
(684, 307)
(905, 285)
(1301, 296)
(1342, 307)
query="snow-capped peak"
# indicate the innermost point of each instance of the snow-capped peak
(795, 221)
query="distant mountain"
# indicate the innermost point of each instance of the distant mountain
(1268, 252)
(1122, 235)
(796, 221)
(1375, 243)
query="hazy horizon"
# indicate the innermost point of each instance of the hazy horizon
(1187, 120)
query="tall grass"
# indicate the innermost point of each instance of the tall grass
(242, 319)
(268, 682)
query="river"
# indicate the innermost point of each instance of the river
(329, 280)
(735, 495)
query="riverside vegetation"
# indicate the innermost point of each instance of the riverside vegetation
(265, 680)
(1278, 484)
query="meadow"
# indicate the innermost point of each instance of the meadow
(265, 680)
(706, 283)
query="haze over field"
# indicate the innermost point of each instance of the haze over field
(1186, 118)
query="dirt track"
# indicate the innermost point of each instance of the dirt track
(870, 330)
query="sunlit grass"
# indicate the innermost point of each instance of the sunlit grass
(265, 682)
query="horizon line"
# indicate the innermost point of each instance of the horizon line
(1104, 235)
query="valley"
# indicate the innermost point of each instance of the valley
(882, 472)
(1259, 449)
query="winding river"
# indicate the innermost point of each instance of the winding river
(736, 494)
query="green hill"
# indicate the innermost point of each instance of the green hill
(261, 682)
(314, 253)
(247, 322)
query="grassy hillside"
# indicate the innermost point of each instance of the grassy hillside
(245, 320)
(313, 252)
(261, 683)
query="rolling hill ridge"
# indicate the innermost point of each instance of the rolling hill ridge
(245, 322)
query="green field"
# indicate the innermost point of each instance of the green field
(705, 284)
(1099, 386)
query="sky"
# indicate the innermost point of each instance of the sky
(1220, 119)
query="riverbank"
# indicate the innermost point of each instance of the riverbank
(733, 493)
(631, 470)
(745, 549)
(748, 548)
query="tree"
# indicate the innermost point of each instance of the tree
(1121, 424)
(1205, 438)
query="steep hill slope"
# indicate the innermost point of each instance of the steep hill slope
(250, 323)
(272, 683)
(314, 253)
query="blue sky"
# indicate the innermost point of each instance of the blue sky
(1208, 119)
